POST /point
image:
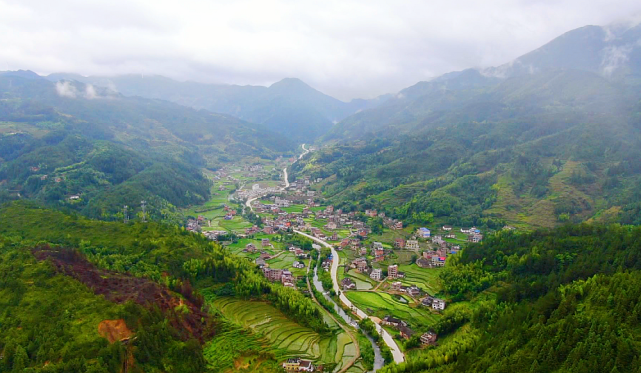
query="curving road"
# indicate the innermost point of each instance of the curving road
(248, 203)
(387, 338)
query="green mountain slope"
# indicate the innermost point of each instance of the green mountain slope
(535, 150)
(70, 139)
(81, 295)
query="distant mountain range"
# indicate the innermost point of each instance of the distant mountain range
(70, 138)
(610, 55)
(289, 107)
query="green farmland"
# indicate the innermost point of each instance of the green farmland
(286, 337)
(425, 278)
(385, 304)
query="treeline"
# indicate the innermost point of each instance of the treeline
(368, 326)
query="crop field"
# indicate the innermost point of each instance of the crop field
(294, 209)
(425, 278)
(287, 338)
(237, 224)
(256, 240)
(363, 282)
(385, 304)
(285, 261)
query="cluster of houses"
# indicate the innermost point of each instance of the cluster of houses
(298, 365)
(413, 290)
(433, 303)
(214, 235)
(283, 276)
(256, 192)
(388, 222)
(277, 275)
(428, 338)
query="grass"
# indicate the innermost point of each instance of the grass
(385, 304)
(237, 224)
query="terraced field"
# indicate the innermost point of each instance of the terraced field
(425, 278)
(384, 304)
(287, 338)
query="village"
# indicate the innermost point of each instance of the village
(391, 274)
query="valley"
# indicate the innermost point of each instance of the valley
(269, 240)
(482, 220)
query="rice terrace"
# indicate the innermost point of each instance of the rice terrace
(288, 338)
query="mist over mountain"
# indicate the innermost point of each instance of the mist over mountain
(289, 107)
(612, 53)
(503, 144)
(488, 219)
(71, 138)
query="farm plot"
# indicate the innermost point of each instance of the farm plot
(385, 304)
(286, 261)
(425, 278)
(236, 224)
(287, 337)
(362, 281)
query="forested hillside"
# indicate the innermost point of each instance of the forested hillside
(79, 295)
(563, 300)
(532, 150)
(89, 149)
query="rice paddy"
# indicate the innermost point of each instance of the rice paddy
(425, 278)
(286, 337)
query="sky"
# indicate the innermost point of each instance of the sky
(344, 48)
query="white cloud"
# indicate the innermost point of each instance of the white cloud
(90, 92)
(614, 57)
(346, 48)
(65, 89)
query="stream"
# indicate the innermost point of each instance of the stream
(378, 358)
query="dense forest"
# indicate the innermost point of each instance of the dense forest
(562, 300)
(62, 276)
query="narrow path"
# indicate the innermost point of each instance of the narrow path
(349, 332)
(379, 284)
(399, 357)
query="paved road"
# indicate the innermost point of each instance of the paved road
(387, 338)
(248, 203)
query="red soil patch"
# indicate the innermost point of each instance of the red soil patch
(114, 330)
(120, 288)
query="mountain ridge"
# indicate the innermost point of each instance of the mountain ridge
(289, 107)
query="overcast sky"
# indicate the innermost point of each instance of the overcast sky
(344, 48)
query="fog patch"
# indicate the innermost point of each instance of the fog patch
(90, 92)
(65, 89)
(614, 57)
